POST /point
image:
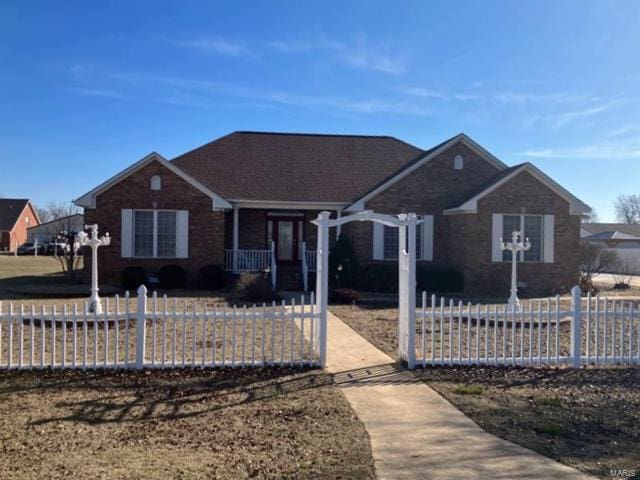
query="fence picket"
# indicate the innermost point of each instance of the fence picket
(10, 337)
(105, 334)
(21, 338)
(31, 335)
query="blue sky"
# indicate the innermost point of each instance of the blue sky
(86, 88)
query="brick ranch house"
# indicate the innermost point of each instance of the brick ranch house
(16, 216)
(245, 202)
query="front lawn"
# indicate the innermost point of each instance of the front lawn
(585, 418)
(228, 424)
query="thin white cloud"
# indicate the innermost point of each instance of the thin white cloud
(100, 93)
(624, 130)
(563, 119)
(420, 92)
(208, 94)
(597, 151)
(360, 54)
(216, 45)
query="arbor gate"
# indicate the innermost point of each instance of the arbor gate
(406, 224)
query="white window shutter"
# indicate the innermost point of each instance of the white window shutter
(378, 241)
(496, 235)
(427, 237)
(549, 233)
(126, 233)
(182, 233)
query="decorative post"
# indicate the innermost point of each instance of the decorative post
(514, 247)
(322, 281)
(95, 306)
(407, 288)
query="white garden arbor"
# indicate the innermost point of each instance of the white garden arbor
(406, 224)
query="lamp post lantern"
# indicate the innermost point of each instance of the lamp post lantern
(95, 306)
(514, 247)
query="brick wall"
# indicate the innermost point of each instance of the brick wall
(524, 194)
(428, 190)
(206, 227)
(464, 241)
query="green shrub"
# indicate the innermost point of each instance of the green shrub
(344, 267)
(347, 296)
(255, 287)
(132, 277)
(172, 276)
(211, 277)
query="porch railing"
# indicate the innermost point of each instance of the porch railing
(252, 261)
(308, 265)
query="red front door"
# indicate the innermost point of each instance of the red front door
(287, 233)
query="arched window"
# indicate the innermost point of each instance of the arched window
(156, 183)
(458, 162)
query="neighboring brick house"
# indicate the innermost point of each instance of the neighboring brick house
(16, 216)
(229, 201)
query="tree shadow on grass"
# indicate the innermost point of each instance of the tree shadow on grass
(103, 397)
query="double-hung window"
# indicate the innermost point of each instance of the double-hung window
(385, 240)
(155, 233)
(391, 239)
(529, 226)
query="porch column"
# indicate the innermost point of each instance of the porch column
(339, 227)
(236, 235)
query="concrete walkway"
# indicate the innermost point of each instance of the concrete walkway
(415, 433)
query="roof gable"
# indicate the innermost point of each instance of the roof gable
(421, 160)
(290, 167)
(11, 210)
(470, 205)
(88, 200)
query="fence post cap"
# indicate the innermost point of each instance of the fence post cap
(142, 290)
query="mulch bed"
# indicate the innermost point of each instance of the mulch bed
(229, 424)
(586, 418)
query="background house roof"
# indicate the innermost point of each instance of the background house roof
(10, 210)
(606, 231)
(293, 167)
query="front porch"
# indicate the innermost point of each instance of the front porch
(280, 243)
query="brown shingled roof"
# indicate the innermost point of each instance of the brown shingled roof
(10, 210)
(296, 167)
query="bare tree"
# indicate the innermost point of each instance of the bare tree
(61, 230)
(43, 214)
(627, 208)
(594, 260)
(591, 217)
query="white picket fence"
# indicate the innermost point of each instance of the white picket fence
(589, 331)
(158, 332)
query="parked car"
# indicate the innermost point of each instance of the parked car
(55, 248)
(30, 248)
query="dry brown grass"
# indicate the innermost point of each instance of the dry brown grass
(228, 424)
(585, 418)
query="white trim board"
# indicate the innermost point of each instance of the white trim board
(288, 205)
(88, 200)
(576, 206)
(359, 204)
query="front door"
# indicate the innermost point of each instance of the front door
(288, 234)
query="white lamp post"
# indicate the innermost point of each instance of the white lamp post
(94, 242)
(514, 247)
